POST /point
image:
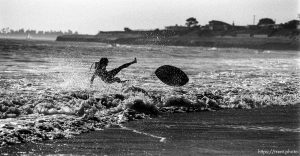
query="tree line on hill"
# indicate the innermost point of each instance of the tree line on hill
(293, 24)
(8, 31)
(266, 27)
(192, 24)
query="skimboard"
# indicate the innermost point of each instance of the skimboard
(171, 75)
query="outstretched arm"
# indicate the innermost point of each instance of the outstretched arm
(92, 79)
(91, 66)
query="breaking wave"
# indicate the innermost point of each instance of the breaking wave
(58, 87)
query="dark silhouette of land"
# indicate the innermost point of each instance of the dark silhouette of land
(265, 35)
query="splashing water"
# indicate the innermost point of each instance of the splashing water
(38, 67)
(53, 78)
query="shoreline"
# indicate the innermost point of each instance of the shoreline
(210, 138)
(270, 43)
(212, 42)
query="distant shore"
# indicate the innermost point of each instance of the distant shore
(265, 43)
(260, 39)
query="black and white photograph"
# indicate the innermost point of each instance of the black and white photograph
(150, 77)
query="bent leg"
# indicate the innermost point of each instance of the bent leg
(115, 71)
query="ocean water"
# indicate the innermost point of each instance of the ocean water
(33, 72)
(246, 78)
(35, 67)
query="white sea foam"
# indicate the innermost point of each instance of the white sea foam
(262, 128)
(161, 139)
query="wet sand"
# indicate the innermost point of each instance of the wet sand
(225, 132)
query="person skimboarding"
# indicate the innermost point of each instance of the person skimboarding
(109, 76)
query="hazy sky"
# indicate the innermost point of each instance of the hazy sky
(90, 16)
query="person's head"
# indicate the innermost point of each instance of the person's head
(103, 61)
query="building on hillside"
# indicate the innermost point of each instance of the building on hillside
(270, 26)
(238, 27)
(218, 25)
(205, 27)
(251, 26)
